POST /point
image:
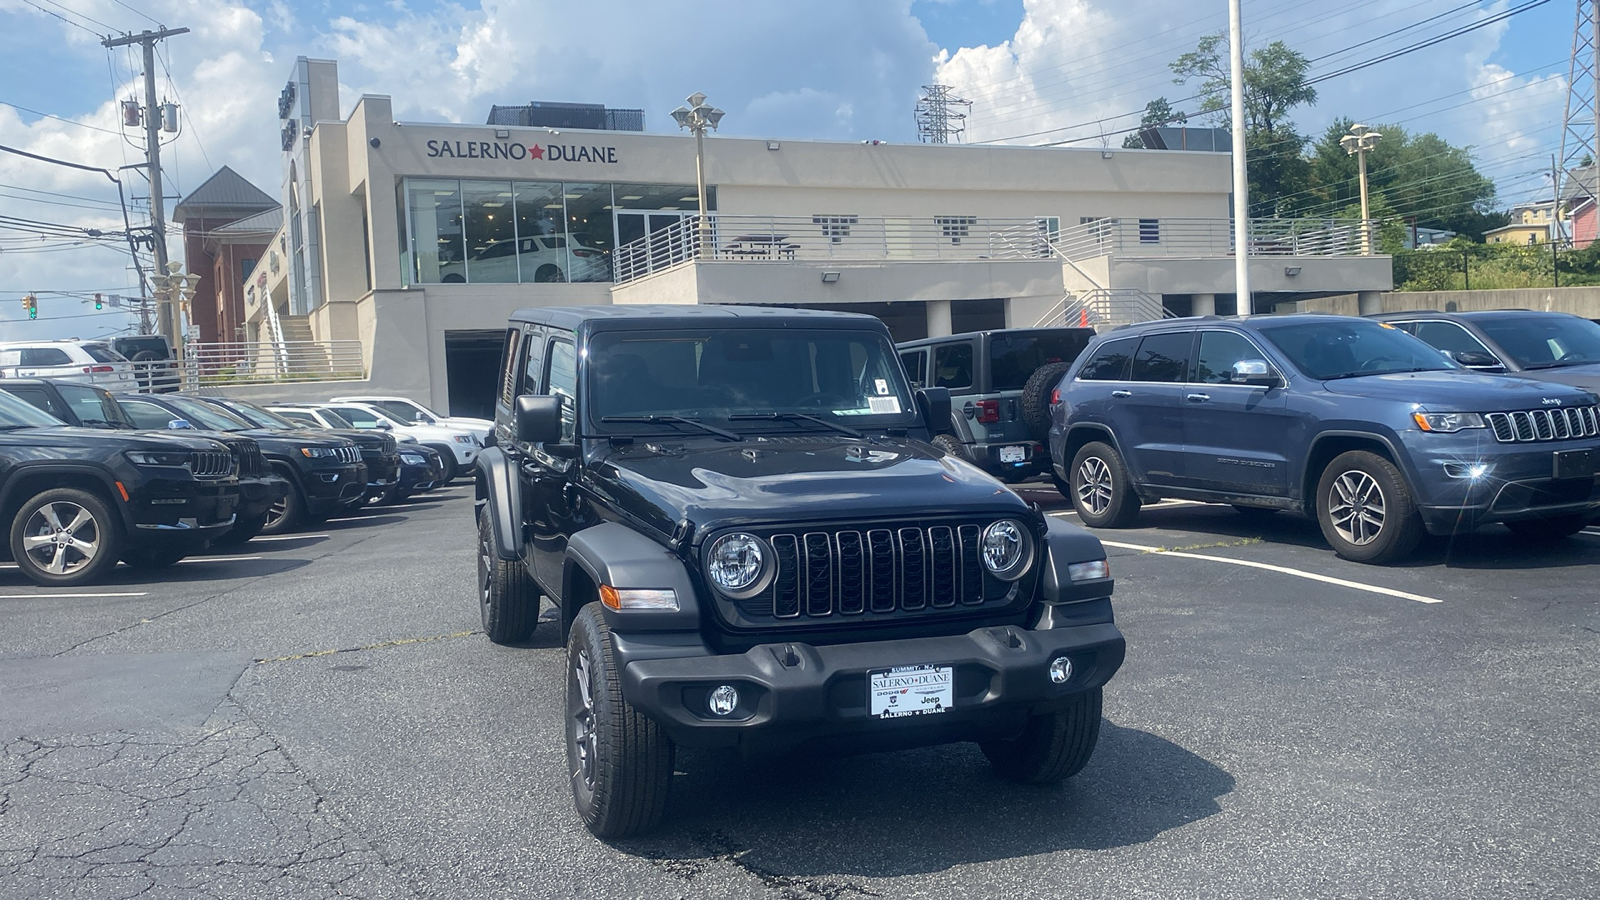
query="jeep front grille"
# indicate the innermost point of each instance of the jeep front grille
(876, 571)
(248, 455)
(211, 463)
(1544, 424)
(349, 453)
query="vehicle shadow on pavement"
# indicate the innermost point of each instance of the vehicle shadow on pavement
(796, 822)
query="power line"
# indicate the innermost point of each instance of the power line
(137, 12)
(61, 17)
(57, 118)
(80, 15)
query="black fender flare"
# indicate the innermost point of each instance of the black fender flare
(8, 492)
(1065, 544)
(499, 487)
(613, 554)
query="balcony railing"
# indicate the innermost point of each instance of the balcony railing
(731, 238)
(1203, 238)
(208, 365)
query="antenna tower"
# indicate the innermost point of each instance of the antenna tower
(941, 116)
(1581, 122)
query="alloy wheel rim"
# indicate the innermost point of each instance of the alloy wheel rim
(483, 571)
(1357, 507)
(277, 511)
(1094, 485)
(62, 538)
(584, 741)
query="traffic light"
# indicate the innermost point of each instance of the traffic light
(31, 304)
(98, 303)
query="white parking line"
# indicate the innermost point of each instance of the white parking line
(1164, 504)
(206, 559)
(285, 537)
(72, 596)
(1282, 570)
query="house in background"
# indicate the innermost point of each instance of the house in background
(1578, 197)
(227, 224)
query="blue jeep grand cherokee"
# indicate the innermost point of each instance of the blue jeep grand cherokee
(1373, 432)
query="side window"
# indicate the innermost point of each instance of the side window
(1163, 357)
(10, 357)
(148, 415)
(533, 367)
(37, 398)
(300, 418)
(45, 356)
(1219, 350)
(1449, 336)
(916, 363)
(356, 416)
(1110, 363)
(93, 407)
(562, 379)
(952, 365)
(508, 366)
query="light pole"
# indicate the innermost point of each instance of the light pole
(1244, 304)
(172, 290)
(1357, 143)
(697, 117)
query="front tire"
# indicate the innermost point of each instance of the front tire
(508, 602)
(286, 514)
(1101, 489)
(64, 537)
(1053, 747)
(620, 761)
(447, 462)
(1365, 509)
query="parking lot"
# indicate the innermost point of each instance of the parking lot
(317, 715)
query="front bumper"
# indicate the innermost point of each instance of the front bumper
(329, 489)
(1517, 481)
(417, 478)
(793, 695)
(163, 511)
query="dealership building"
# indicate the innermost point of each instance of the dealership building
(409, 243)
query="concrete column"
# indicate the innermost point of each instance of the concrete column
(1369, 302)
(1203, 304)
(939, 318)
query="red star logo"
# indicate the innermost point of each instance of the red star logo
(536, 152)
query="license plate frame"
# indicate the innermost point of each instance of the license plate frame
(1568, 464)
(917, 690)
(1014, 454)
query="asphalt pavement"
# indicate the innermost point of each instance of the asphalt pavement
(319, 716)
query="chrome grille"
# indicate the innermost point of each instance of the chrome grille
(247, 454)
(1544, 424)
(211, 463)
(349, 453)
(852, 571)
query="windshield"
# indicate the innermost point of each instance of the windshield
(94, 407)
(1545, 342)
(334, 420)
(1014, 357)
(204, 415)
(401, 410)
(832, 374)
(261, 418)
(103, 353)
(16, 413)
(1326, 350)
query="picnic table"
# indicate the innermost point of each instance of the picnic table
(767, 245)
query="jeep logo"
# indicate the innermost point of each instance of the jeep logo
(1552, 401)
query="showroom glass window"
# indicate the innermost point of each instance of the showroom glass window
(491, 233)
(438, 253)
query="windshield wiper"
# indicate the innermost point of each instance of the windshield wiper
(674, 420)
(1359, 374)
(792, 416)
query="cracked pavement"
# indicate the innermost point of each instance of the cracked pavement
(328, 721)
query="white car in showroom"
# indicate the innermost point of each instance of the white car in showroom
(540, 258)
(458, 448)
(411, 411)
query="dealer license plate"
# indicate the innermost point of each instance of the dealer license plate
(1574, 464)
(910, 691)
(1013, 454)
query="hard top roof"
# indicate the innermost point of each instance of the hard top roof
(668, 315)
(923, 342)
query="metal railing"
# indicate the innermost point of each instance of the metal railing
(272, 362)
(734, 238)
(1200, 238)
(1105, 308)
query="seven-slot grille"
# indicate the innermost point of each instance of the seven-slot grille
(348, 453)
(1544, 424)
(876, 570)
(248, 452)
(211, 463)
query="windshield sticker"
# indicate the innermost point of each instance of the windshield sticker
(882, 384)
(884, 404)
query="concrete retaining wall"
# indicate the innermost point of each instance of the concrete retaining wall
(1580, 301)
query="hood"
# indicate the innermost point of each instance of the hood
(1459, 391)
(271, 438)
(793, 479)
(1586, 377)
(72, 436)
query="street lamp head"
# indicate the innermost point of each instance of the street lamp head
(174, 267)
(697, 99)
(1359, 129)
(681, 116)
(1350, 143)
(712, 117)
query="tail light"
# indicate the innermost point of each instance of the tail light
(1055, 397)
(98, 369)
(988, 411)
(585, 253)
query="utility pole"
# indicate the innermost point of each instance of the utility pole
(1555, 223)
(1241, 172)
(168, 316)
(1357, 143)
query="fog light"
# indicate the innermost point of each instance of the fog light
(1060, 670)
(724, 699)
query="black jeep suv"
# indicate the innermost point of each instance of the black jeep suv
(89, 406)
(750, 545)
(75, 500)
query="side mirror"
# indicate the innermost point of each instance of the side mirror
(385, 426)
(418, 417)
(934, 402)
(1255, 372)
(538, 419)
(178, 424)
(1477, 359)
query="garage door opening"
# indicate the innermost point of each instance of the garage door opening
(472, 367)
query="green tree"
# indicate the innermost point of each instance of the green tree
(1274, 85)
(1157, 112)
(1420, 176)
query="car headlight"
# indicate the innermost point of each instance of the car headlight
(463, 438)
(157, 457)
(1007, 550)
(737, 564)
(318, 452)
(1447, 423)
(410, 460)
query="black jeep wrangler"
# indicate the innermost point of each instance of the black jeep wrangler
(750, 544)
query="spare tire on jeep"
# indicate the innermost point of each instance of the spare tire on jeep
(1036, 393)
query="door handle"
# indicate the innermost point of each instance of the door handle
(1199, 398)
(1122, 393)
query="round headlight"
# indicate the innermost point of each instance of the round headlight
(737, 564)
(1007, 550)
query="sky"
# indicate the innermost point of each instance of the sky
(1036, 71)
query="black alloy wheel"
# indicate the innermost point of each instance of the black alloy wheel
(287, 513)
